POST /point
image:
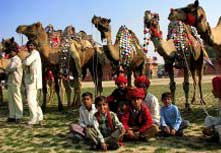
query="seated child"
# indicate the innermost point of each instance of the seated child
(150, 100)
(86, 113)
(171, 122)
(137, 118)
(107, 130)
(117, 101)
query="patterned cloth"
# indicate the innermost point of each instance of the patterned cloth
(126, 47)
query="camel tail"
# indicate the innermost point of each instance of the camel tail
(219, 21)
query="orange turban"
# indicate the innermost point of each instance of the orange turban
(136, 93)
(142, 82)
(121, 79)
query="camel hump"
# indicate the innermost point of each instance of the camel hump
(219, 21)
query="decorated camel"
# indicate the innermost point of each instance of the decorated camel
(81, 57)
(195, 15)
(125, 58)
(190, 56)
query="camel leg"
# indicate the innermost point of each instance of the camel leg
(1, 95)
(186, 89)
(129, 78)
(68, 92)
(57, 88)
(193, 72)
(44, 90)
(172, 82)
(77, 93)
(200, 74)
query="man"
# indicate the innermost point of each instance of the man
(33, 82)
(15, 72)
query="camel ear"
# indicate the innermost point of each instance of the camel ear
(12, 39)
(196, 3)
(109, 20)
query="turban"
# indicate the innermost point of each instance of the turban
(136, 93)
(121, 79)
(142, 82)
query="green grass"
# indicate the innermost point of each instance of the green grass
(53, 136)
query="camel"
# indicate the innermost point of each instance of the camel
(195, 15)
(168, 50)
(80, 59)
(136, 62)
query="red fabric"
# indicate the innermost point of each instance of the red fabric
(190, 19)
(136, 93)
(144, 121)
(142, 81)
(217, 86)
(121, 79)
(156, 33)
(109, 119)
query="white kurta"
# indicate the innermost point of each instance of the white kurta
(152, 103)
(15, 72)
(33, 82)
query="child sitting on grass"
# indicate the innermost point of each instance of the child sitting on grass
(107, 130)
(137, 118)
(117, 101)
(86, 113)
(171, 122)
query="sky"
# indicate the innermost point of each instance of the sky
(61, 13)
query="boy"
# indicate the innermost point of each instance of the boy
(171, 122)
(107, 130)
(117, 99)
(137, 119)
(86, 113)
(150, 100)
(15, 72)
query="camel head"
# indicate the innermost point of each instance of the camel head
(192, 14)
(34, 32)
(8, 45)
(151, 22)
(102, 24)
(151, 19)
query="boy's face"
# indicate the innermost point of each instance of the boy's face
(121, 85)
(102, 107)
(12, 54)
(30, 47)
(136, 102)
(166, 101)
(87, 100)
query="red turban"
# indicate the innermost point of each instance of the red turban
(136, 93)
(217, 86)
(142, 82)
(121, 79)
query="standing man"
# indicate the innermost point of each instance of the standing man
(33, 82)
(15, 72)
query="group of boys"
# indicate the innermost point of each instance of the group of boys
(129, 113)
(30, 71)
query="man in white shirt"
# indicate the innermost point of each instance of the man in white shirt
(33, 82)
(150, 100)
(14, 81)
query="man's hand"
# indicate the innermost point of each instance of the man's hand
(104, 146)
(173, 132)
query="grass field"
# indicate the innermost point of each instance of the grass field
(53, 136)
